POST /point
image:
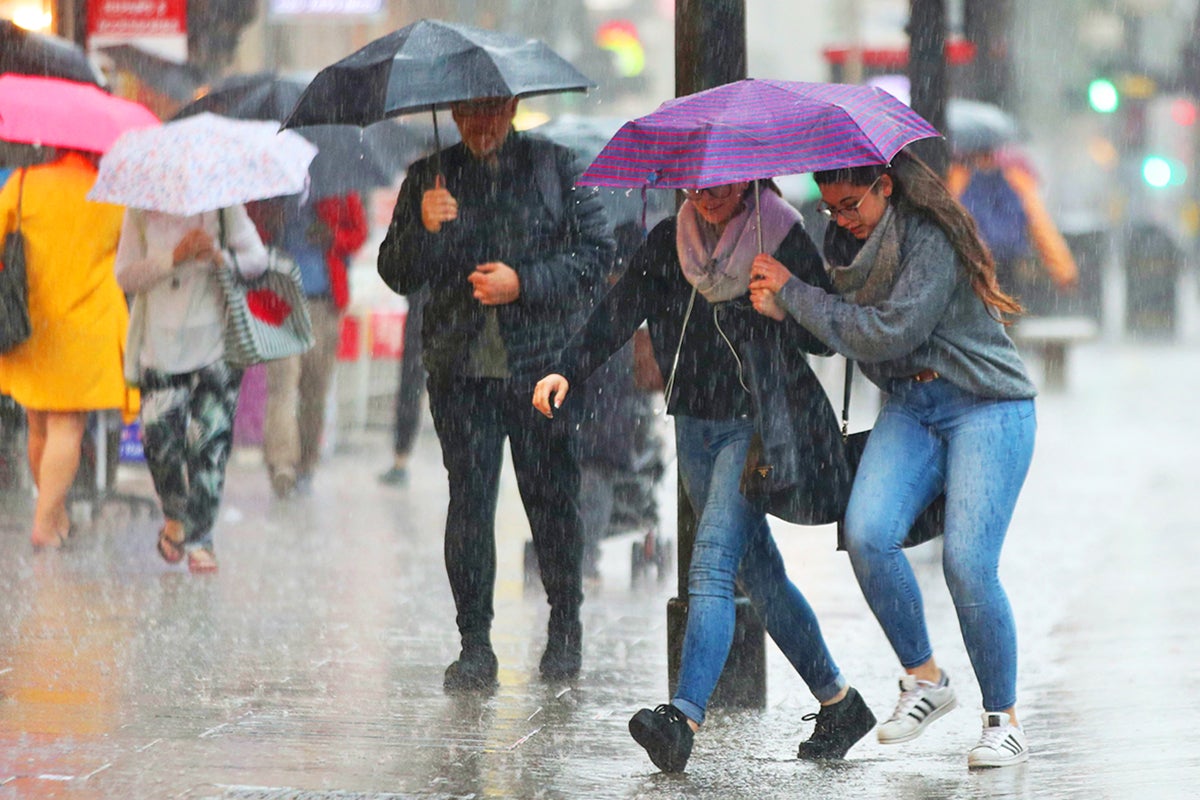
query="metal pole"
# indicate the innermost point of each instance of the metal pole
(710, 50)
(927, 76)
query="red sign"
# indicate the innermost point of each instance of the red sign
(136, 18)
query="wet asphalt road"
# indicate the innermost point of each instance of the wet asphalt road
(310, 667)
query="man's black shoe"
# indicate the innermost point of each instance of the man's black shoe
(666, 736)
(838, 727)
(475, 671)
(564, 653)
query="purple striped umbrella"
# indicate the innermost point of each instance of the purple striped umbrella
(756, 129)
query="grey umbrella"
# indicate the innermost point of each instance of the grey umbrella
(348, 158)
(429, 65)
(976, 126)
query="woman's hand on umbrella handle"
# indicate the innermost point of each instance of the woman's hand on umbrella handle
(549, 393)
(766, 303)
(438, 206)
(767, 273)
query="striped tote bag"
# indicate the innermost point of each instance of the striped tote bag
(266, 318)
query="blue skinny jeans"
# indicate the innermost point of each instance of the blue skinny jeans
(932, 437)
(733, 542)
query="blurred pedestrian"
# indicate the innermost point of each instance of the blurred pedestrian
(176, 355)
(513, 254)
(71, 363)
(916, 303)
(1012, 221)
(690, 282)
(320, 236)
(410, 392)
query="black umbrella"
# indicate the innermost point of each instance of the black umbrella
(429, 65)
(27, 53)
(347, 158)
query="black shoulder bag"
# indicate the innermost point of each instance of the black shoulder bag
(14, 285)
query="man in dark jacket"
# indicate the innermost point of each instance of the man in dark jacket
(514, 257)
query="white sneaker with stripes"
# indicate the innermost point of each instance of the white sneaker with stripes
(1001, 743)
(921, 702)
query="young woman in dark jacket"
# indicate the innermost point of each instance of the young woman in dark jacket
(689, 281)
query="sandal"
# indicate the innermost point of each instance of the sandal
(201, 561)
(169, 547)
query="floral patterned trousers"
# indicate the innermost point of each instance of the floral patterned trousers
(187, 434)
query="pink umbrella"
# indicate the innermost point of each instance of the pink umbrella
(59, 113)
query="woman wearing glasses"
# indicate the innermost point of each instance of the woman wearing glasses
(916, 303)
(689, 280)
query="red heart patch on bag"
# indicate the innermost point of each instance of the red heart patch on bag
(268, 305)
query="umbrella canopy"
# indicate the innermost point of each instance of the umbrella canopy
(171, 78)
(58, 113)
(976, 126)
(203, 163)
(348, 158)
(586, 136)
(428, 65)
(753, 129)
(28, 53)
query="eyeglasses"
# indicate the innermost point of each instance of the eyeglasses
(480, 108)
(714, 192)
(849, 212)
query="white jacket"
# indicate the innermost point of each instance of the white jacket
(183, 315)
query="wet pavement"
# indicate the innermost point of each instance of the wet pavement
(310, 666)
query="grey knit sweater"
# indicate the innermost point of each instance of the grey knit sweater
(931, 320)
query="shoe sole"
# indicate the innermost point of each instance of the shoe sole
(1005, 762)
(934, 715)
(646, 737)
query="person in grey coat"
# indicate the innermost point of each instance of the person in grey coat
(513, 255)
(916, 303)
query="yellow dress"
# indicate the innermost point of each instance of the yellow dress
(72, 360)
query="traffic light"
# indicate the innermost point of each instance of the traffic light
(1103, 96)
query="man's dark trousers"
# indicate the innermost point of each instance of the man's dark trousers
(472, 417)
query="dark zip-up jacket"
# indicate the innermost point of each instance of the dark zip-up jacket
(525, 212)
(710, 380)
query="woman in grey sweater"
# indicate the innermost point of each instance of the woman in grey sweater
(917, 305)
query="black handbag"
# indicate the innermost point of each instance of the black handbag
(795, 468)
(15, 327)
(929, 524)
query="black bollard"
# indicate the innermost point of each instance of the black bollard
(710, 50)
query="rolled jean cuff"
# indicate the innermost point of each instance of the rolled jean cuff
(692, 711)
(831, 690)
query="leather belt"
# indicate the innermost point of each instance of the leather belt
(924, 376)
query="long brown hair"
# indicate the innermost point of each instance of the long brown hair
(919, 188)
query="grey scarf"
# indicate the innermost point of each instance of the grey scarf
(868, 279)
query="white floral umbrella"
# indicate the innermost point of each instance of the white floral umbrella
(202, 163)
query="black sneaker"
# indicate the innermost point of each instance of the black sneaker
(563, 656)
(838, 727)
(474, 671)
(666, 736)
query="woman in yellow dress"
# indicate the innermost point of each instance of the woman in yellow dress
(71, 364)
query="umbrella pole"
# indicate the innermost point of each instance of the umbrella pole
(758, 215)
(437, 142)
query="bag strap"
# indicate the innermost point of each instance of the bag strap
(20, 196)
(221, 241)
(846, 400)
(678, 349)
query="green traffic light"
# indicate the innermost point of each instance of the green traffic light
(1103, 96)
(1160, 172)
